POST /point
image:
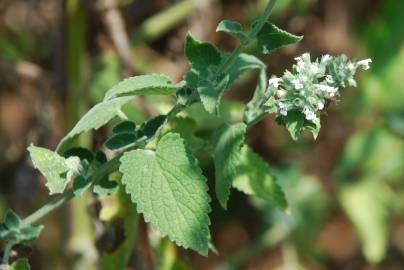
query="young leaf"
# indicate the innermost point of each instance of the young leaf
(271, 38)
(294, 122)
(154, 84)
(81, 184)
(125, 126)
(52, 166)
(11, 219)
(153, 126)
(201, 55)
(254, 177)
(169, 189)
(211, 92)
(228, 143)
(233, 28)
(95, 118)
(120, 140)
(105, 187)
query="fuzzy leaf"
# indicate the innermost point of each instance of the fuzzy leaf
(254, 177)
(201, 55)
(271, 38)
(243, 63)
(154, 84)
(169, 189)
(233, 28)
(95, 118)
(228, 143)
(211, 92)
(52, 166)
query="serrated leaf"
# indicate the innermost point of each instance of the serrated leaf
(211, 92)
(228, 143)
(254, 177)
(120, 140)
(124, 127)
(186, 127)
(169, 189)
(28, 234)
(52, 166)
(95, 118)
(201, 55)
(20, 264)
(233, 28)
(154, 84)
(271, 38)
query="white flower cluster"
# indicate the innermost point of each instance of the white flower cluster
(310, 85)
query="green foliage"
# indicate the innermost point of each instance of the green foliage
(233, 28)
(271, 38)
(20, 264)
(166, 184)
(228, 143)
(169, 189)
(142, 85)
(13, 230)
(95, 118)
(254, 177)
(52, 166)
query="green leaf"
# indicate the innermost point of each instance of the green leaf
(271, 38)
(120, 140)
(228, 143)
(211, 92)
(201, 55)
(169, 189)
(293, 121)
(124, 127)
(153, 126)
(233, 28)
(186, 127)
(52, 166)
(11, 219)
(154, 84)
(20, 264)
(80, 185)
(82, 153)
(95, 118)
(372, 226)
(243, 63)
(105, 187)
(254, 177)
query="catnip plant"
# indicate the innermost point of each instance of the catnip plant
(157, 167)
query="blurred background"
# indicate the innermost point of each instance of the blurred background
(345, 190)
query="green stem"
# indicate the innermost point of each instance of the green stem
(251, 37)
(7, 252)
(107, 168)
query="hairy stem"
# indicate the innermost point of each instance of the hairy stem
(6, 252)
(107, 168)
(251, 36)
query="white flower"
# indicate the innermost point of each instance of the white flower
(329, 79)
(320, 105)
(297, 84)
(314, 68)
(300, 64)
(283, 107)
(326, 58)
(331, 91)
(365, 64)
(274, 81)
(310, 115)
(281, 93)
(351, 67)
